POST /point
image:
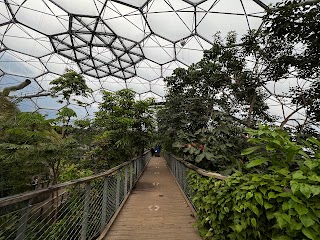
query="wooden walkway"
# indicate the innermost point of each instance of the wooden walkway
(156, 209)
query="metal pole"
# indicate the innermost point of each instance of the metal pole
(178, 173)
(131, 177)
(118, 189)
(86, 212)
(21, 231)
(135, 170)
(184, 179)
(104, 204)
(125, 181)
(175, 168)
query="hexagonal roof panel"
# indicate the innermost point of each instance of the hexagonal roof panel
(115, 44)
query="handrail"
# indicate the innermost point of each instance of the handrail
(27, 195)
(78, 209)
(180, 168)
(200, 171)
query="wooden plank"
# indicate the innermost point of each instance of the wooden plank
(156, 209)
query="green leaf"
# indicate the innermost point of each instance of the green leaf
(300, 209)
(258, 197)
(311, 164)
(286, 217)
(249, 195)
(306, 221)
(314, 140)
(303, 154)
(270, 215)
(309, 233)
(269, 148)
(280, 220)
(298, 175)
(253, 222)
(263, 190)
(200, 157)
(294, 186)
(305, 189)
(267, 205)
(254, 209)
(247, 151)
(209, 155)
(256, 162)
(282, 238)
(315, 190)
(283, 171)
(238, 228)
(276, 142)
(297, 200)
(272, 195)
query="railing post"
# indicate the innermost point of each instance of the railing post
(178, 173)
(131, 176)
(22, 227)
(184, 178)
(118, 189)
(174, 166)
(125, 181)
(134, 169)
(181, 175)
(86, 212)
(104, 204)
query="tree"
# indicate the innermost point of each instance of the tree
(288, 45)
(220, 90)
(19, 152)
(70, 83)
(32, 146)
(127, 125)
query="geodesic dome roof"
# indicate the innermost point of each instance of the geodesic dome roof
(116, 44)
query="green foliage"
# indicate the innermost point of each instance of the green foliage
(278, 202)
(215, 149)
(19, 152)
(207, 97)
(259, 206)
(287, 43)
(70, 83)
(30, 147)
(74, 171)
(291, 26)
(272, 147)
(126, 125)
(7, 109)
(306, 98)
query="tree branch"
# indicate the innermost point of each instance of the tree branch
(290, 115)
(6, 91)
(35, 95)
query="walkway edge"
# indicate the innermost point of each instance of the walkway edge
(184, 195)
(115, 215)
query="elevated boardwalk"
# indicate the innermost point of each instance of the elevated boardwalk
(156, 209)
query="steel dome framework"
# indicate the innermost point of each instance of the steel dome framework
(116, 44)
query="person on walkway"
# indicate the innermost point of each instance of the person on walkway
(152, 151)
(157, 151)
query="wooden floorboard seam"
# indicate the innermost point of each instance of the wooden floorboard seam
(156, 209)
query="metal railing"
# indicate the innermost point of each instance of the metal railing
(180, 169)
(79, 209)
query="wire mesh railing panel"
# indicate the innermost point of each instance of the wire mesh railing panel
(180, 172)
(79, 209)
